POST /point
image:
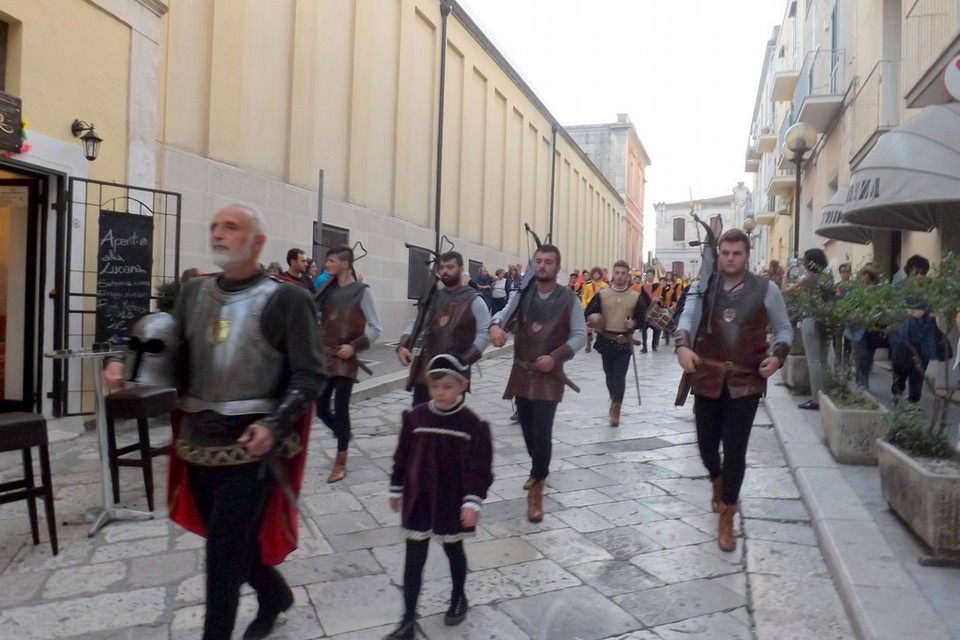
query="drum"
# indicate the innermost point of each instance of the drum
(660, 318)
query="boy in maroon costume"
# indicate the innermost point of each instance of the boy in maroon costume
(441, 474)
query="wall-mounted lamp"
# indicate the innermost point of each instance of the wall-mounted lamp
(91, 141)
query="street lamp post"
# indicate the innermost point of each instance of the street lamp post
(799, 139)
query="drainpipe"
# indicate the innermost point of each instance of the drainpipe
(445, 8)
(553, 182)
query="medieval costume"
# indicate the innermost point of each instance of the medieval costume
(545, 324)
(652, 295)
(348, 315)
(458, 324)
(615, 341)
(249, 355)
(727, 329)
(442, 465)
(588, 290)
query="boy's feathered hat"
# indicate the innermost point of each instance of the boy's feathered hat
(448, 363)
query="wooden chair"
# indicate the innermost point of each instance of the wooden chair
(24, 431)
(140, 404)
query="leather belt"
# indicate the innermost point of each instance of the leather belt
(728, 366)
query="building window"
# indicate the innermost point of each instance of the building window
(679, 229)
(473, 268)
(329, 237)
(678, 268)
(418, 270)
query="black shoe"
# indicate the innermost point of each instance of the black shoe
(810, 405)
(643, 349)
(262, 625)
(654, 348)
(404, 631)
(457, 611)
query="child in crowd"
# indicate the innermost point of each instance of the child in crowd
(441, 474)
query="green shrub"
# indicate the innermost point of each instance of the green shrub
(906, 429)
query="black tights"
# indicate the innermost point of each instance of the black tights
(536, 423)
(413, 571)
(338, 420)
(729, 421)
(615, 367)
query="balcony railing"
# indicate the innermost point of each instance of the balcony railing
(876, 107)
(929, 26)
(820, 87)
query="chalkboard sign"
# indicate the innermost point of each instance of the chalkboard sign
(124, 264)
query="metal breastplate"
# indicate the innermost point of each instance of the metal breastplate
(233, 369)
(617, 307)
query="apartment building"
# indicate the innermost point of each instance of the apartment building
(858, 72)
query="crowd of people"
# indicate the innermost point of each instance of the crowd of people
(259, 346)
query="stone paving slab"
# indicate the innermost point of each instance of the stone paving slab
(626, 551)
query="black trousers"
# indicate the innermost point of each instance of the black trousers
(536, 422)
(908, 369)
(413, 565)
(656, 336)
(615, 367)
(421, 393)
(231, 501)
(338, 389)
(728, 421)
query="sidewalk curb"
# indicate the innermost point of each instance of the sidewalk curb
(881, 598)
(379, 385)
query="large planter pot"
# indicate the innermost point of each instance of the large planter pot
(851, 434)
(925, 501)
(795, 374)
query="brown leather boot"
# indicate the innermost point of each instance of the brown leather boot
(339, 471)
(717, 496)
(535, 501)
(725, 537)
(526, 485)
(615, 414)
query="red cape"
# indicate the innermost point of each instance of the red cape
(278, 531)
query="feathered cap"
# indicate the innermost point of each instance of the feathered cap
(447, 363)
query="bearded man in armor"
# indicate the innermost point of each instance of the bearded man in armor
(457, 323)
(615, 312)
(349, 324)
(248, 369)
(548, 323)
(721, 342)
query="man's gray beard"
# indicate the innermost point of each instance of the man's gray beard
(227, 261)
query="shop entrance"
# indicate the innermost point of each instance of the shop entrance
(21, 279)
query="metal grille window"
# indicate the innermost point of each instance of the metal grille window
(418, 270)
(329, 236)
(678, 268)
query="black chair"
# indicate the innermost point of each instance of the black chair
(24, 431)
(140, 404)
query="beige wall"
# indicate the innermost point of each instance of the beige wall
(355, 94)
(57, 63)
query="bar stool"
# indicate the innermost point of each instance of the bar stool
(23, 431)
(140, 404)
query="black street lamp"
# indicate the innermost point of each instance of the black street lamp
(799, 139)
(91, 141)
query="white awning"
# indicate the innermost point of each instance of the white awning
(911, 176)
(834, 227)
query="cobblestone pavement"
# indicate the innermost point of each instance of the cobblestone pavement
(626, 551)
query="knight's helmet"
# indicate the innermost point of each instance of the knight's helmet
(152, 352)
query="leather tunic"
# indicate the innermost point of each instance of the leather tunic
(543, 327)
(233, 369)
(451, 328)
(732, 341)
(617, 307)
(341, 322)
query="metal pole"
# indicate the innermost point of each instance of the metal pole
(445, 8)
(796, 208)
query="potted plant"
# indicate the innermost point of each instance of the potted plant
(920, 479)
(852, 421)
(795, 374)
(167, 293)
